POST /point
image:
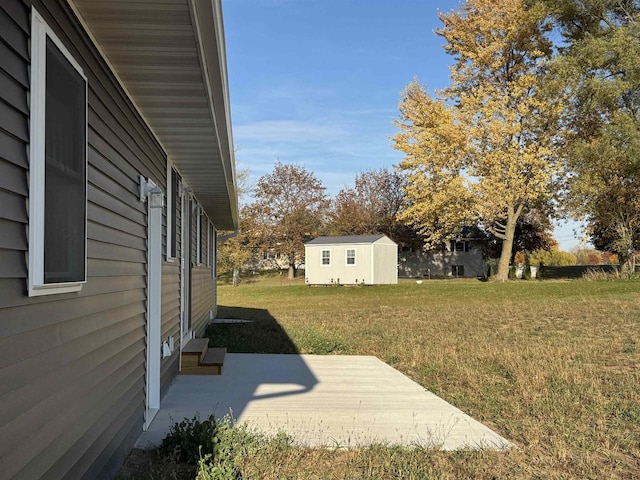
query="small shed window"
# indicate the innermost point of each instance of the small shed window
(326, 257)
(351, 256)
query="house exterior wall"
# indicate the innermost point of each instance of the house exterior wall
(385, 262)
(72, 366)
(171, 301)
(203, 286)
(440, 263)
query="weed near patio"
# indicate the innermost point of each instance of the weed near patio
(552, 366)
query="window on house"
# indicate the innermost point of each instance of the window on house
(209, 228)
(326, 257)
(204, 247)
(351, 256)
(457, 270)
(214, 252)
(459, 246)
(198, 235)
(173, 190)
(58, 166)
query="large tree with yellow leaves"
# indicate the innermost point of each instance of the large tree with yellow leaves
(482, 150)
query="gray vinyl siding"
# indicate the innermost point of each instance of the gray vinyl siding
(72, 366)
(170, 321)
(203, 298)
(203, 286)
(14, 84)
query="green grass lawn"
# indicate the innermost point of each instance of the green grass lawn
(550, 365)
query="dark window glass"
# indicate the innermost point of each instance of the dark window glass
(460, 246)
(198, 246)
(65, 170)
(175, 185)
(214, 257)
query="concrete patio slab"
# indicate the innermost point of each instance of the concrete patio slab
(335, 401)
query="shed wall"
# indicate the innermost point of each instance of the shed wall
(385, 263)
(338, 271)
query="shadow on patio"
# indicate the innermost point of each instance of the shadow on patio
(245, 378)
(318, 400)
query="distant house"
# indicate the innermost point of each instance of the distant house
(353, 259)
(116, 172)
(460, 257)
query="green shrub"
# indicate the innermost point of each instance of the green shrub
(211, 470)
(217, 447)
(190, 439)
(490, 271)
(512, 273)
(527, 272)
(186, 438)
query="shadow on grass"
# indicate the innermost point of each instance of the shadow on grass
(263, 334)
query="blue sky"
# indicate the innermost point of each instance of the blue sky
(317, 82)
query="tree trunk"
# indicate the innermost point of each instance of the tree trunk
(507, 245)
(292, 271)
(236, 276)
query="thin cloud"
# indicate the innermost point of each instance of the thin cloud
(284, 131)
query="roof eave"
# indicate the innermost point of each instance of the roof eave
(203, 154)
(209, 30)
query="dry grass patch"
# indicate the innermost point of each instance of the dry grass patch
(552, 366)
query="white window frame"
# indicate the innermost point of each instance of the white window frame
(40, 31)
(208, 242)
(214, 252)
(462, 243)
(322, 257)
(198, 234)
(171, 212)
(346, 257)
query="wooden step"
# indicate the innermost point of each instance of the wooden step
(201, 370)
(194, 351)
(214, 357)
(199, 359)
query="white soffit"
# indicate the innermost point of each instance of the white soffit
(170, 56)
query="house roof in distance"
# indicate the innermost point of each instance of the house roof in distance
(347, 239)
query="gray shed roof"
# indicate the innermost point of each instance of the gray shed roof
(360, 239)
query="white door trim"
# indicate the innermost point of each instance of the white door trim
(154, 197)
(185, 290)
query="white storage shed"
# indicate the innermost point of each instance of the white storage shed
(351, 260)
